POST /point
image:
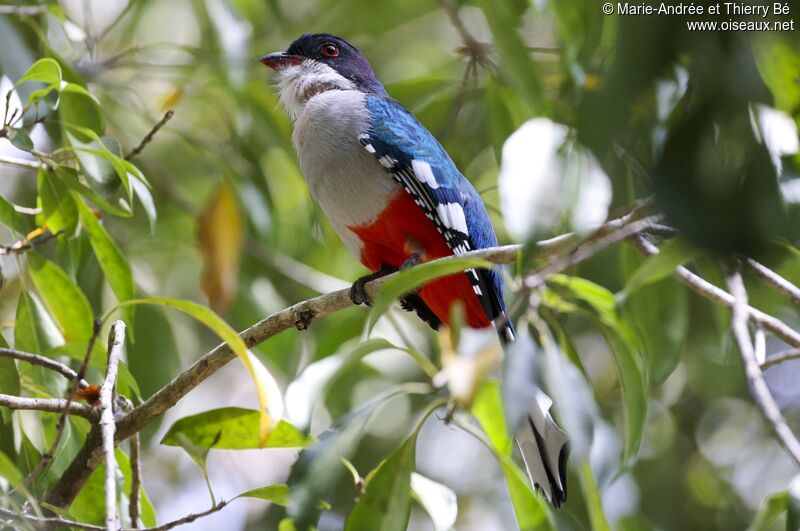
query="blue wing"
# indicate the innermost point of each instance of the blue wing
(417, 161)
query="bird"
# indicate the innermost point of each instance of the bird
(396, 199)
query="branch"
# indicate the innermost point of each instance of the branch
(49, 522)
(149, 136)
(136, 481)
(37, 237)
(49, 405)
(42, 361)
(305, 312)
(302, 313)
(116, 342)
(708, 290)
(755, 378)
(776, 281)
(780, 357)
(585, 252)
(21, 163)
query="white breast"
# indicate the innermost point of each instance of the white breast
(345, 180)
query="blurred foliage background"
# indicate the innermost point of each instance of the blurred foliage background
(558, 114)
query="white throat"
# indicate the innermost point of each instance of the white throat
(299, 83)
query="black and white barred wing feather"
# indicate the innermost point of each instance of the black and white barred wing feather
(419, 164)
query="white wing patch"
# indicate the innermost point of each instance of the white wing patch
(452, 215)
(424, 173)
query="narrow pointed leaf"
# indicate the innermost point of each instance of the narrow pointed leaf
(386, 502)
(64, 300)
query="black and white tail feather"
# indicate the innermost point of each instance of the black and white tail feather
(544, 448)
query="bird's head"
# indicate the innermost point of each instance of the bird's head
(316, 63)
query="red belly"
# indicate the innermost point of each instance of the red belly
(403, 228)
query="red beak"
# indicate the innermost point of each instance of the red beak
(278, 60)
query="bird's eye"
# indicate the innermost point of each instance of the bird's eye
(330, 50)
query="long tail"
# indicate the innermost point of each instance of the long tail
(544, 448)
(543, 444)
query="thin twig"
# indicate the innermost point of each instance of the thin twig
(42, 361)
(755, 378)
(27, 210)
(49, 405)
(781, 357)
(21, 163)
(48, 522)
(719, 296)
(48, 456)
(116, 342)
(149, 136)
(28, 244)
(587, 251)
(136, 481)
(774, 280)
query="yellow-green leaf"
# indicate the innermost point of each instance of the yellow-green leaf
(232, 428)
(58, 207)
(220, 237)
(386, 502)
(114, 265)
(45, 71)
(63, 299)
(229, 335)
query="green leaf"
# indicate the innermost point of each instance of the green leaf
(58, 206)
(320, 465)
(277, 494)
(114, 265)
(386, 502)
(232, 428)
(624, 347)
(488, 402)
(673, 253)
(9, 378)
(20, 138)
(529, 508)
(70, 178)
(287, 524)
(770, 510)
(229, 335)
(77, 89)
(594, 505)
(11, 218)
(63, 299)
(531, 511)
(44, 70)
(82, 112)
(13, 476)
(407, 281)
(34, 329)
(142, 192)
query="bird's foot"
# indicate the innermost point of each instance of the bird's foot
(411, 261)
(358, 292)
